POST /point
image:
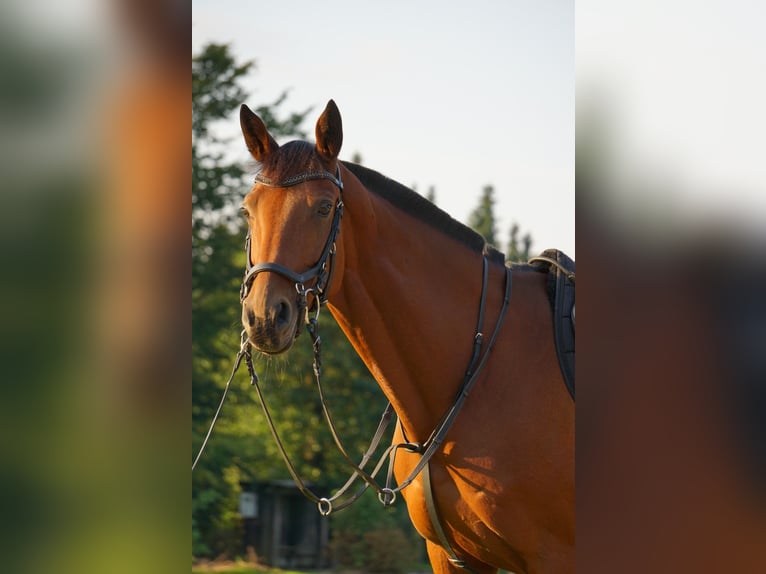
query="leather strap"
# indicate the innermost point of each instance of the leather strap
(302, 178)
(433, 442)
(433, 515)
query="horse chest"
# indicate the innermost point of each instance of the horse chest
(470, 513)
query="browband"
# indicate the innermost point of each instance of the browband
(301, 178)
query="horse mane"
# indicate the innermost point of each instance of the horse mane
(419, 207)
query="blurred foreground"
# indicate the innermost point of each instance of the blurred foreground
(671, 231)
(94, 219)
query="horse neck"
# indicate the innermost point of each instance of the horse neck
(408, 302)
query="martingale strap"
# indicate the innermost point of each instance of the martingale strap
(439, 433)
(434, 441)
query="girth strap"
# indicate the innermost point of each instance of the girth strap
(433, 515)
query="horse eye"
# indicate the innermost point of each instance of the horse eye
(324, 208)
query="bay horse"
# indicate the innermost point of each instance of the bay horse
(405, 282)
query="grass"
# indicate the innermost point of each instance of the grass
(243, 567)
(243, 570)
(238, 567)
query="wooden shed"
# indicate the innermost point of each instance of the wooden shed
(283, 527)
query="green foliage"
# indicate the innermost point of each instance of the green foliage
(240, 568)
(388, 550)
(216, 88)
(216, 94)
(217, 183)
(289, 387)
(482, 220)
(371, 538)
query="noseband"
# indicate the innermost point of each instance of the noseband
(322, 270)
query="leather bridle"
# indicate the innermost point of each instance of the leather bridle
(322, 270)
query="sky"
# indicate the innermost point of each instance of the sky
(452, 95)
(679, 93)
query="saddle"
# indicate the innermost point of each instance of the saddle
(561, 294)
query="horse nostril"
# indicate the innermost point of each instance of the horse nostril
(282, 315)
(250, 317)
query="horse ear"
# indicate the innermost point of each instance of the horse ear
(329, 132)
(257, 137)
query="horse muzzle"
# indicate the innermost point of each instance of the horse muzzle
(273, 329)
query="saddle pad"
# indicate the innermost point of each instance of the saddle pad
(561, 294)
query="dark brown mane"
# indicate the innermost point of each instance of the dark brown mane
(419, 207)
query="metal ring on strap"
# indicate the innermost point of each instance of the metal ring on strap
(387, 496)
(325, 506)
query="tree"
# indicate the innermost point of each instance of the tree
(515, 254)
(218, 186)
(527, 240)
(513, 243)
(217, 183)
(482, 218)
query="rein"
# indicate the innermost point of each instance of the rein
(322, 273)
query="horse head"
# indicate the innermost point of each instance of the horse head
(293, 215)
